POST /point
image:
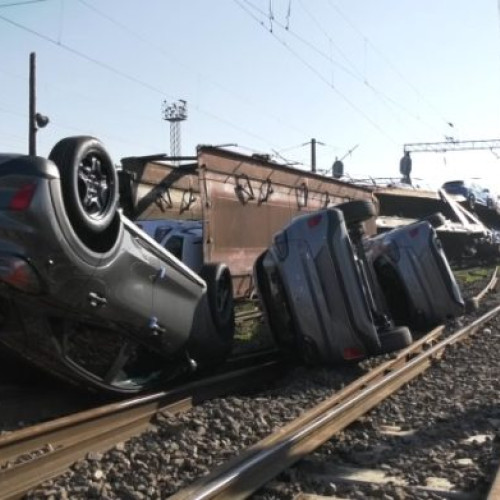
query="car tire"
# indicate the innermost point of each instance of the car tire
(471, 305)
(357, 211)
(395, 339)
(220, 298)
(89, 183)
(435, 220)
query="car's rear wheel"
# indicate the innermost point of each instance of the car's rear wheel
(89, 183)
(357, 211)
(220, 298)
(394, 339)
(275, 303)
(471, 305)
(435, 220)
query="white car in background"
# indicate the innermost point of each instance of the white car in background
(182, 238)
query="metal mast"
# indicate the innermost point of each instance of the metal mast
(175, 113)
(36, 120)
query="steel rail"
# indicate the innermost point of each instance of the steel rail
(263, 461)
(253, 313)
(494, 493)
(63, 441)
(491, 286)
(240, 318)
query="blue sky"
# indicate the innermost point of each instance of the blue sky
(268, 75)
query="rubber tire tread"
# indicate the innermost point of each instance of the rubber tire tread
(395, 339)
(67, 155)
(435, 220)
(213, 274)
(357, 211)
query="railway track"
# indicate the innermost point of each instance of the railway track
(263, 461)
(32, 455)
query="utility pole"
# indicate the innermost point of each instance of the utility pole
(313, 143)
(36, 120)
(175, 113)
(313, 155)
(32, 106)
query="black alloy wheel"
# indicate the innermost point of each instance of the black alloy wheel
(220, 297)
(357, 211)
(89, 183)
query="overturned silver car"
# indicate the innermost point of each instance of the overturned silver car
(331, 293)
(315, 290)
(86, 294)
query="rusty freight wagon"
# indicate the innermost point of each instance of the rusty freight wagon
(240, 200)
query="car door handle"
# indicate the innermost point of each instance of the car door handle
(155, 327)
(97, 300)
(161, 274)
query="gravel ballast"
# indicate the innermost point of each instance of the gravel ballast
(455, 400)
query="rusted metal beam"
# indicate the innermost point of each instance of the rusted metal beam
(241, 200)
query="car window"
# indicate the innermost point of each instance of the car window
(175, 245)
(453, 184)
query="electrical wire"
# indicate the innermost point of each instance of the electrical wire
(206, 78)
(355, 73)
(128, 77)
(389, 63)
(64, 126)
(15, 4)
(318, 74)
(84, 56)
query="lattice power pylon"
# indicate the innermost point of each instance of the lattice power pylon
(175, 113)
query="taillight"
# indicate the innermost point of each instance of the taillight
(18, 273)
(353, 353)
(22, 197)
(314, 220)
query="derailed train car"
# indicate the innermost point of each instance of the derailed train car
(240, 200)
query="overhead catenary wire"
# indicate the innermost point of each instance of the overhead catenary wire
(21, 2)
(206, 79)
(389, 63)
(64, 126)
(129, 77)
(354, 73)
(88, 98)
(318, 74)
(359, 75)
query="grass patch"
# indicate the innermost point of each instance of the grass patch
(473, 274)
(252, 333)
